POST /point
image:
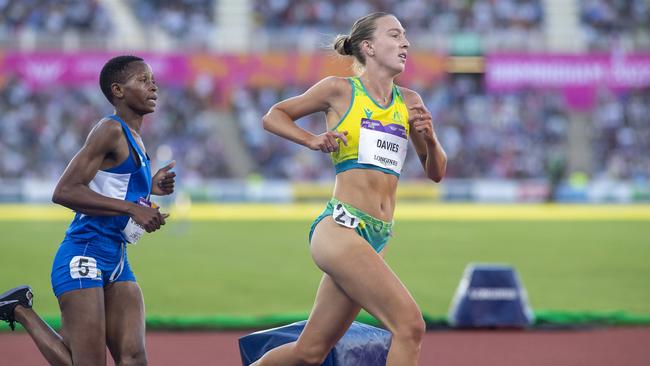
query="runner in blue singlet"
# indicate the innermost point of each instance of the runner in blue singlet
(108, 184)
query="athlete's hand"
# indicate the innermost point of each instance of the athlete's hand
(151, 219)
(328, 142)
(421, 120)
(163, 181)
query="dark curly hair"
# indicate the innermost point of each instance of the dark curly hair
(114, 71)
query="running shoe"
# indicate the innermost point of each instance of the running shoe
(21, 295)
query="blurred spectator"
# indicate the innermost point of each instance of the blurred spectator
(54, 16)
(189, 20)
(609, 23)
(276, 157)
(622, 136)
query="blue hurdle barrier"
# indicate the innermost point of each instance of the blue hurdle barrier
(361, 345)
(490, 295)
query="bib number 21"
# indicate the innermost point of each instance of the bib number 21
(343, 217)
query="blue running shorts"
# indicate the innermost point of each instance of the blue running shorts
(85, 264)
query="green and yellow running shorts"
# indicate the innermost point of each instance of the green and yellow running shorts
(376, 232)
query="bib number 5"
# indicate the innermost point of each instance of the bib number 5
(83, 267)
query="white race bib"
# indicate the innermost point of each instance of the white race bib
(132, 231)
(344, 217)
(382, 146)
(83, 267)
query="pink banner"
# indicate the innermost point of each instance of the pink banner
(57, 68)
(508, 72)
(578, 76)
(270, 69)
(278, 69)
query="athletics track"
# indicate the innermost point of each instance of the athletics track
(628, 346)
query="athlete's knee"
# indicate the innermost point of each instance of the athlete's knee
(132, 358)
(411, 327)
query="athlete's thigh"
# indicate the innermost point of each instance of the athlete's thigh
(361, 273)
(125, 324)
(331, 316)
(83, 326)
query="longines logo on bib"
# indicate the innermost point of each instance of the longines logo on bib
(382, 146)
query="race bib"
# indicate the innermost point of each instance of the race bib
(344, 217)
(83, 267)
(382, 146)
(132, 232)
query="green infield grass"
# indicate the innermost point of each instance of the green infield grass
(262, 267)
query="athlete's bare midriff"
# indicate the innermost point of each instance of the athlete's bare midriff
(371, 191)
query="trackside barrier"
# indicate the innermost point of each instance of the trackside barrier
(362, 344)
(490, 295)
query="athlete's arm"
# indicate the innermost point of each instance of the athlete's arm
(72, 190)
(280, 119)
(424, 138)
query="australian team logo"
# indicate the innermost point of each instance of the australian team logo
(397, 116)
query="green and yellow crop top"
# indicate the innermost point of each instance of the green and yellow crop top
(377, 136)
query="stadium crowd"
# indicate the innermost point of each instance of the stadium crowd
(516, 135)
(621, 138)
(502, 24)
(416, 15)
(525, 132)
(507, 22)
(41, 129)
(54, 16)
(187, 20)
(512, 143)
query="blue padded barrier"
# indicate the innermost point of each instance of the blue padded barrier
(360, 346)
(490, 295)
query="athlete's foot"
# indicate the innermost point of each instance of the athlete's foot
(21, 295)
